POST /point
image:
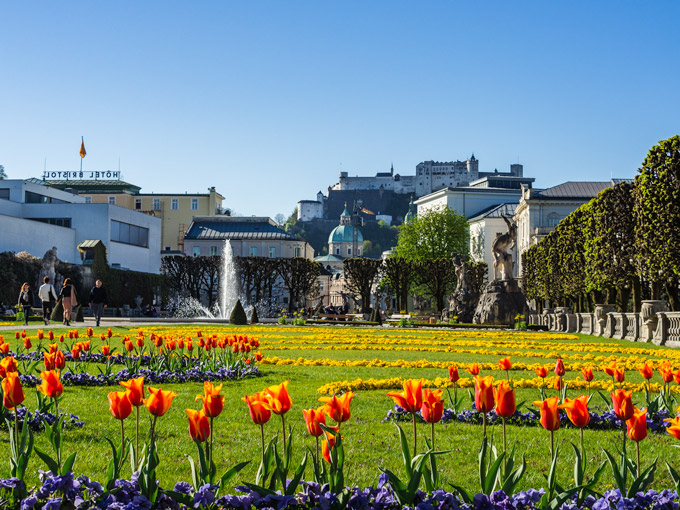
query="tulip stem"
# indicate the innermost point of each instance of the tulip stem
(137, 439)
(153, 430)
(552, 444)
(505, 443)
(583, 451)
(264, 468)
(484, 423)
(16, 430)
(415, 435)
(432, 435)
(317, 459)
(283, 424)
(637, 446)
(122, 438)
(211, 458)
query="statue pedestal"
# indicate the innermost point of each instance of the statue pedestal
(500, 303)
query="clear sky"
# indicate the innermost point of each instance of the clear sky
(268, 101)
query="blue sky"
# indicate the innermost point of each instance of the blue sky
(268, 101)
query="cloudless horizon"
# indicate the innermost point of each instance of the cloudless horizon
(268, 101)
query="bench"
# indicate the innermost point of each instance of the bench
(396, 317)
(336, 317)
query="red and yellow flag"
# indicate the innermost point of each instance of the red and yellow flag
(82, 148)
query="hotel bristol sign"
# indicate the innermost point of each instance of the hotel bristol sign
(90, 175)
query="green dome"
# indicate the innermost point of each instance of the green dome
(344, 234)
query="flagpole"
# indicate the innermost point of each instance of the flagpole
(82, 141)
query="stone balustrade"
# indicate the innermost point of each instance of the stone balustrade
(655, 324)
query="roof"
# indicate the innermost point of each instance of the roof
(496, 211)
(93, 185)
(89, 243)
(575, 189)
(328, 258)
(344, 234)
(230, 227)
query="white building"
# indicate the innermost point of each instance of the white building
(484, 228)
(539, 211)
(34, 218)
(469, 201)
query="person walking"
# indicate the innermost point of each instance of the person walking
(48, 296)
(68, 300)
(26, 301)
(98, 299)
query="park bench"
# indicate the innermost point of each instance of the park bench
(335, 317)
(396, 317)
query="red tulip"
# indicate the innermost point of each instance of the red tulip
(637, 425)
(213, 402)
(433, 406)
(119, 404)
(135, 388)
(647, 371)
(159, 401)
(623, 404)
(312, 419)
(474, 369)
(484, 397)
(577, 410)
(587, 374)
(411, 399)
(550, 416)
(541, 372)
(199, 425)
(337, 407)
(12, 392)
(51, 384)
(505, 400)
(453, 374)
(559, 368)
(259, 413)
(505, 364)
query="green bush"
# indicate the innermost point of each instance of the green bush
(79, 314)
(254, 319)
(238, 315)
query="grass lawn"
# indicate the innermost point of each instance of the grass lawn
(369, 442)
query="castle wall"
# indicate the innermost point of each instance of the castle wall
(308, 210)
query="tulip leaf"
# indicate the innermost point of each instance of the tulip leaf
(464, 495)
(618, 478)
(194, 475)
(578, 466)
(51, 463)
(229, 474)
(674, 476)
(643, 481)
(295, 481)
(261, 491)
(492, 474)
(406, 454)
(185, 499)
(482, 464)
(514, 477)
(68, 464)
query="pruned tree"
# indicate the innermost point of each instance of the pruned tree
(184, 275)
(397, 273)
(361, 274)
(437, 277)
(211, 276)
(300, 278)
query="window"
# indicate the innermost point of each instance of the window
(553, 219)
(112, 200)
(36, 198)
(297, 252)
(4, 193)
(349, 251)
(194, 204)
(174, 204)
(61, 222)
(168, 248)
(156, 204)
(253, 251)
(88, 200)
(197, 251)
(213, 251)
(138, 204)
(321, 285)
(337, 251)
(272, 252)
(129, 234)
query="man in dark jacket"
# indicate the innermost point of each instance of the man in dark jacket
(98, 299)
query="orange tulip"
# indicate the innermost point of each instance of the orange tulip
(620, 374)
(278, 400)
(505, 364)
(7, 366)
(199, 425)
(674, 428)
(559, 368)
(27, 343)
(140, 341)
(453, 374)
(128, 346)
(48, 359)
(256, 405)
(327, 446)
(541, 371)
(51, 384)
(666, 374)
(312, 419)
(159, 401)
(75, 353)
(109, 333)
(433, 406)
(337, 407)
(258, 356)
(119, 404)
(41, 335)
(213, 402)
(623, 404)
(59, 360)
(505, 400)
(550, 416)
(558, 383)
(135, 389)
(50, 336)
(484, 398)
(53, 348)
(12, 392)
(646, 371)
(4, 348)
(610, 370)
(577, 410)
(637, 425)
(411, 399)
(474, 369)
(106, 350)
(587, 374)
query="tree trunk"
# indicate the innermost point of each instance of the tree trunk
(637, 298)
(623, 296)
(672, 291)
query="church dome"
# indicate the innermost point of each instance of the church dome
(344, 234)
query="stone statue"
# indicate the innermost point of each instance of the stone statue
(464, 299)
(48, 266)
(501, 248)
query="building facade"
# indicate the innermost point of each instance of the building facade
(484, 228)
(175, 210)
(35, 218)
(539, 211)
(345, 240)
(469, 201)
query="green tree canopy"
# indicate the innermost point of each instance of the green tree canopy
(435, 234)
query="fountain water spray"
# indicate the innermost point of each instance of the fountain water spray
(229, 285)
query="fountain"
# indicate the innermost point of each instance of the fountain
(229, 286)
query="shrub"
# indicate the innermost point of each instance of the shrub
(254, 319)
(238, 315)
